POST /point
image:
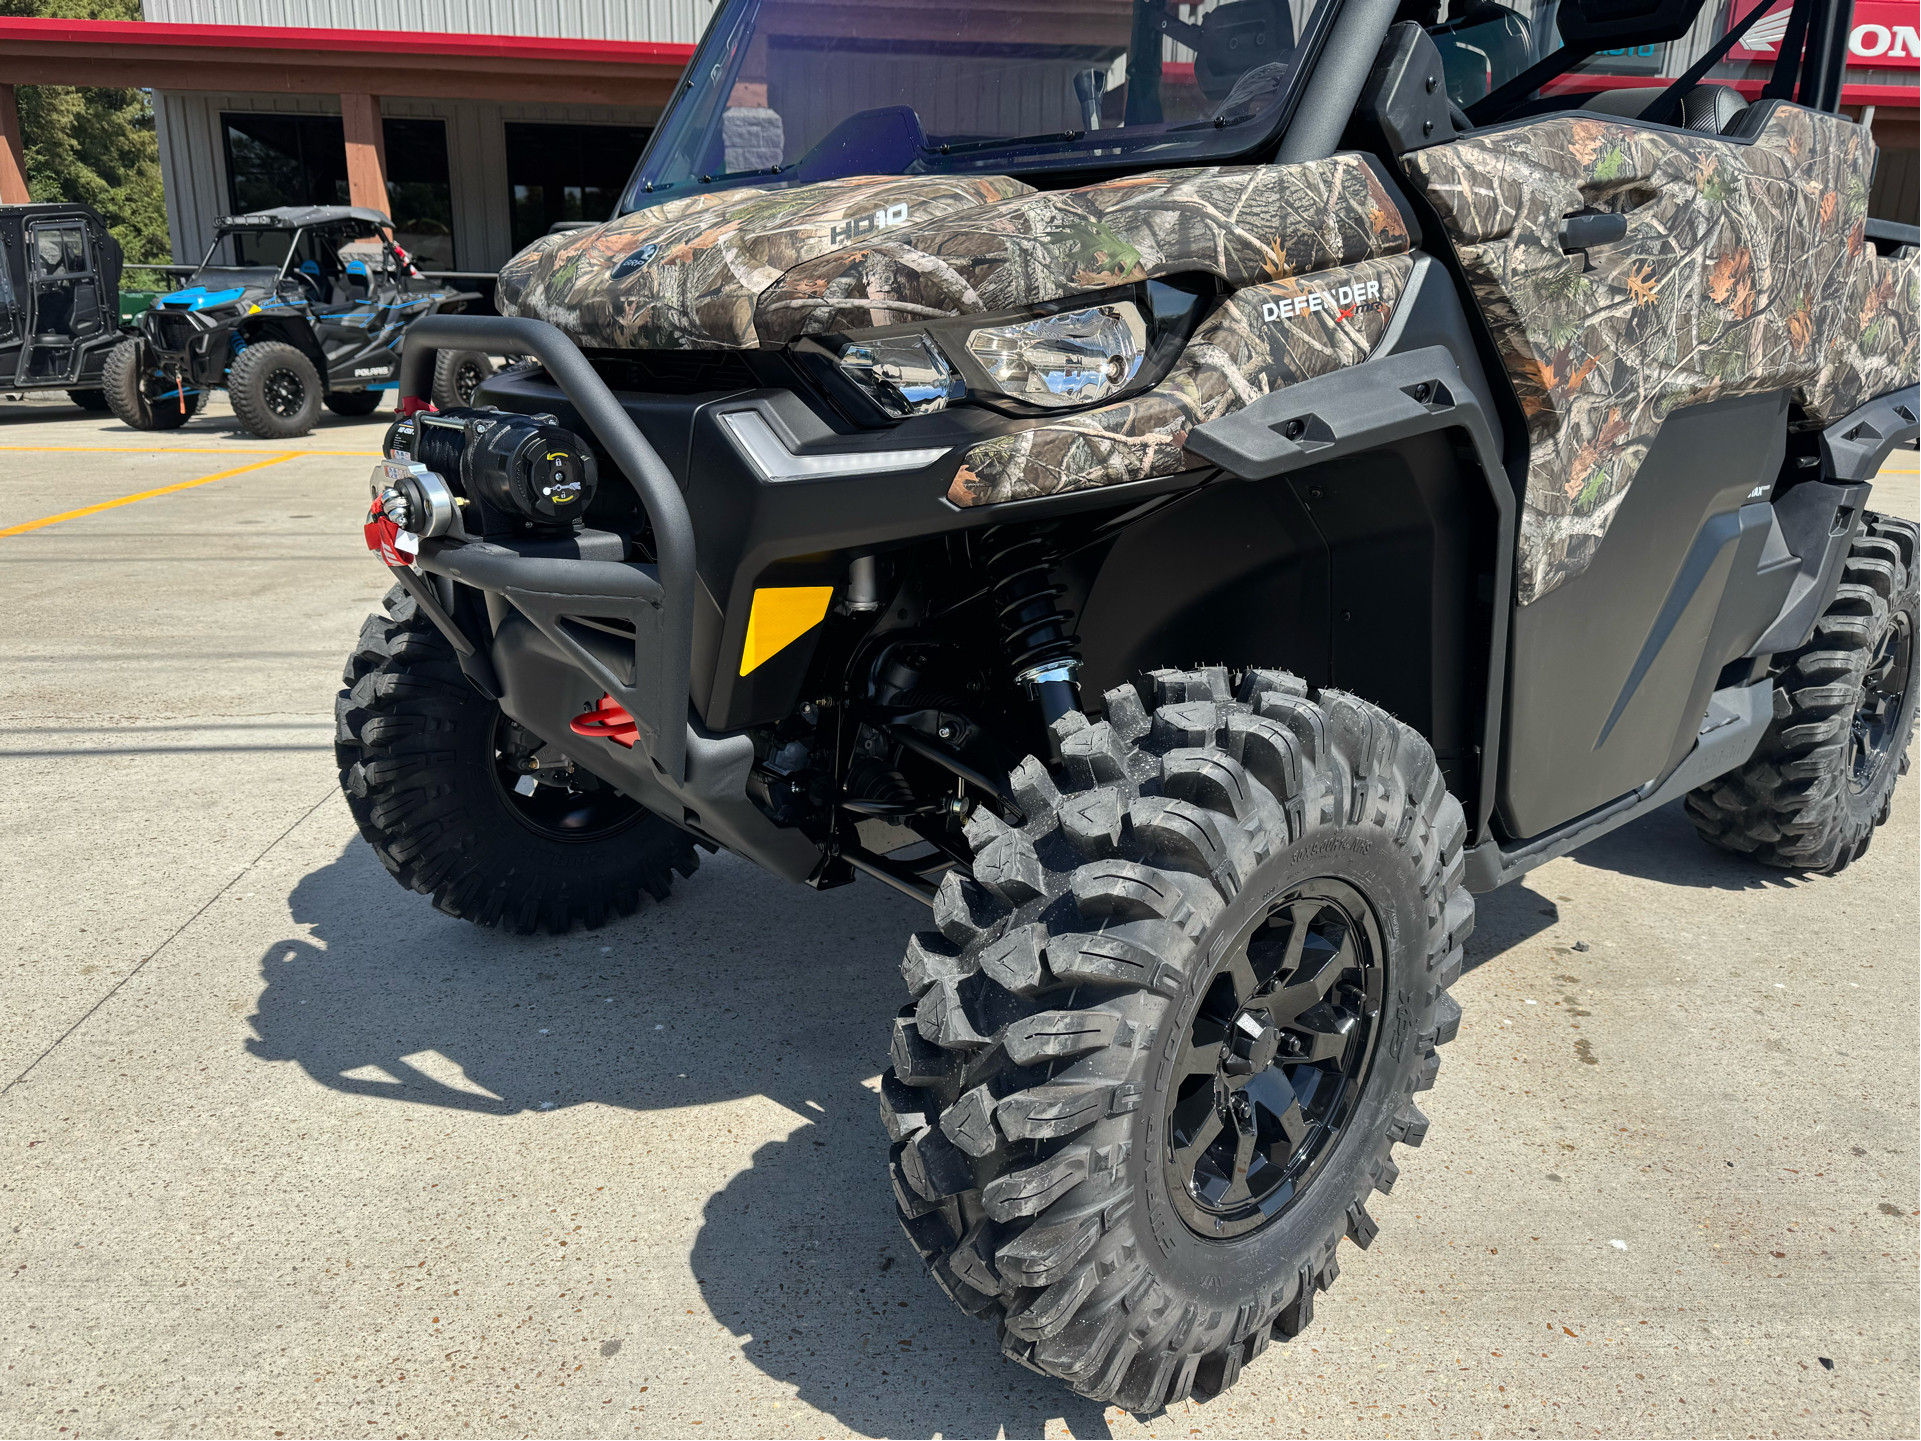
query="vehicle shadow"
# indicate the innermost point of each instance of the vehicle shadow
(1662, 846)
(739, 985)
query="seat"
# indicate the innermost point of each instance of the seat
(1706, 109)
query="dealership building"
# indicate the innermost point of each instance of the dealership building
(478, 124)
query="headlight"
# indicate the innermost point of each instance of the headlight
(903, 374)
(1045, 360)
(1077, 358)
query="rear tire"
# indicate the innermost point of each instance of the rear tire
(127, 391)
(457, 375)
(275, 390)
(1823, 777)
(88, 399)
(417, 748)
(1053, 1084)
(353, 402)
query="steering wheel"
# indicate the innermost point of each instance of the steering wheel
(309, 273)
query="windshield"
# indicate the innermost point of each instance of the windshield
(249, 250)
(809, 90)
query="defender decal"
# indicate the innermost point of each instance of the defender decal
(1345, 301)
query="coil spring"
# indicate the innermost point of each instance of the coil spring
(1021, 586)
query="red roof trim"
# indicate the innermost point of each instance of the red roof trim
(273, 37)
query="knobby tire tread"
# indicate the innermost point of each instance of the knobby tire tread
(1019, 1068)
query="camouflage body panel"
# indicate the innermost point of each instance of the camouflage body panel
(1255, 343)
(1244, 224)
(685, 275)
(1745, 269)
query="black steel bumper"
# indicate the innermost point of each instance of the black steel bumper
(558, 624)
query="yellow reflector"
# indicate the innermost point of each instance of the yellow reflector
(781, 616)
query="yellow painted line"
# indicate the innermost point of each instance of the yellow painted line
(183, 450)
(143, 495)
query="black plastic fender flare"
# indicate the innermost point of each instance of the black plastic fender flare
(1362, 408)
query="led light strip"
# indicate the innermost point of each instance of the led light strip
(755, 439)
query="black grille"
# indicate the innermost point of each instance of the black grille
(673, 372)
(171, 332)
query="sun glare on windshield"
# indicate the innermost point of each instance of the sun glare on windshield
(796, 91)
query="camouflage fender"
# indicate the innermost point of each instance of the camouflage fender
(685, 275)
(1745, 269)
(1244, 224)
(1262, 338)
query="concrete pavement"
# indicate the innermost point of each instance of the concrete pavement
(284, 1151)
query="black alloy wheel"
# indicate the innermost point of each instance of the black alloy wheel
(467, 378)
(563, 806)
(1274, 1059)
(284, 392)
(275, 390)
(457, 375)
(1884, 692)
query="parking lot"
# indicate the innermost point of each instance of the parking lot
(285, 1151)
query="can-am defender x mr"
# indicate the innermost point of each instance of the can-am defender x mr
(1190, 500)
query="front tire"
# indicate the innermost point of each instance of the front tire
(457, 375)
(1165, 1039)
(429, 767)
(275, 390)
(127, 390)
(1823, 777)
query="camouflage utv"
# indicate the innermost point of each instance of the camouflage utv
(1192, 494)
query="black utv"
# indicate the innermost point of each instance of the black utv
(1191, 502)
(293, 308)
(59, 300)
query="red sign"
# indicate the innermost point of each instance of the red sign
(1886, 34)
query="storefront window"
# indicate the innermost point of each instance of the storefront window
(284, 160)
(419, 194)
(277, 160)
(567, 172)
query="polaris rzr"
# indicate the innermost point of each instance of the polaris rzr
(293, 308)
(1192, 500)
(59, 300)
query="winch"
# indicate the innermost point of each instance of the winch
(493, 471)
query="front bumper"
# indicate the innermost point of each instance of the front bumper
(567, 626)
(777, 497)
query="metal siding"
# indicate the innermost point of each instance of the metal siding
(668, 21)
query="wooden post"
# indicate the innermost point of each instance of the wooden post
(13, 152)
(366, 152)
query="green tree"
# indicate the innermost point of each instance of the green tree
(95, 146)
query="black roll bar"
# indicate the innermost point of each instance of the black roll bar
(622, 443)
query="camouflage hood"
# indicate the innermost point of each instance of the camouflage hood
(686, 275)
(745, 268)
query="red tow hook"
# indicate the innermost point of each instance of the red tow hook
(608, 720)
(413, 405)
